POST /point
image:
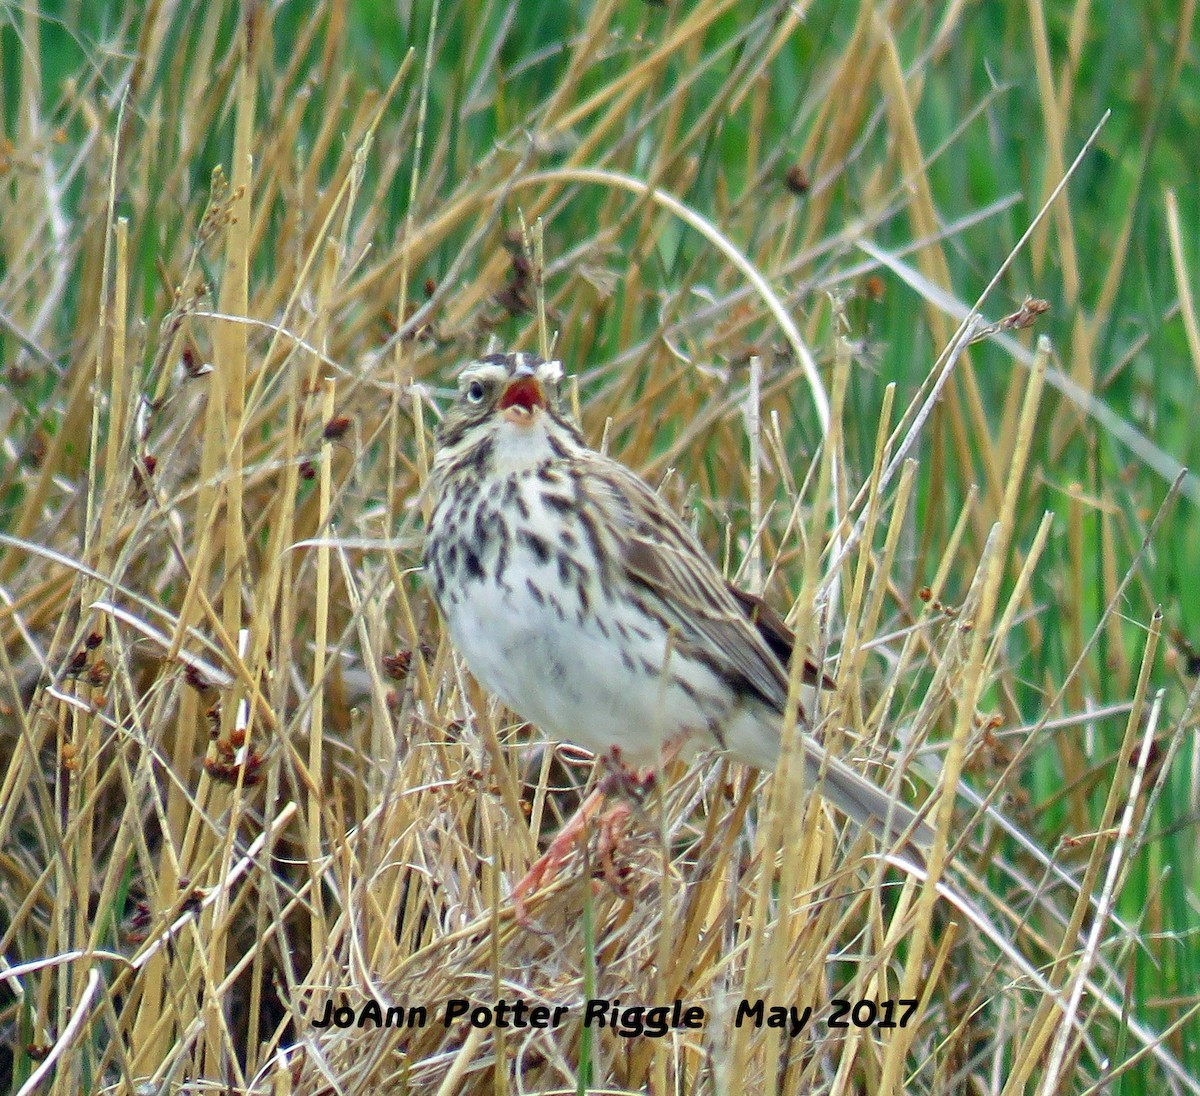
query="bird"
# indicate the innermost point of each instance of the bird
(576, 596)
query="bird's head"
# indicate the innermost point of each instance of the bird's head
(506, 400)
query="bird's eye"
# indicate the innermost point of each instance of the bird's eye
(475, 391)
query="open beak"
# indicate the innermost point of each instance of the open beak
(524, 392)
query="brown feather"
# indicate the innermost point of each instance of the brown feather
(777, 635)
(734, 627)
(661, 553)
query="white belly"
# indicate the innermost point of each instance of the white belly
(555, 668)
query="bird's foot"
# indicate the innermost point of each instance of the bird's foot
(625, 781)
(612, 825)
(543, 870)
(631, 787)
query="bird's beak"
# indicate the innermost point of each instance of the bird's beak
(523, 391)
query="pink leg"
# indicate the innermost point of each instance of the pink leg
(545, 867)
(612, 830)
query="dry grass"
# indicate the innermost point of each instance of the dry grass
(243, 774)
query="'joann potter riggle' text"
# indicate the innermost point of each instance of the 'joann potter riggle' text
(629, 1021)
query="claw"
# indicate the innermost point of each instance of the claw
(543, 870)
(612, 831)
(619, 780)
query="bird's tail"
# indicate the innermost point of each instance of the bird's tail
(862, 801)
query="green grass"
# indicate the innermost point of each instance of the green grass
(647, 150)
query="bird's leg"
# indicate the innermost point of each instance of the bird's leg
(543, 870)
(633, 786)
(627, 786)
(612, 829)
(619, 779)
(545, 867)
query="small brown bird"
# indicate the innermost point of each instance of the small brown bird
(579, 599)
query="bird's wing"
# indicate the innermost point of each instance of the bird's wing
(661, 554)
(777, 635)
(737, 629)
